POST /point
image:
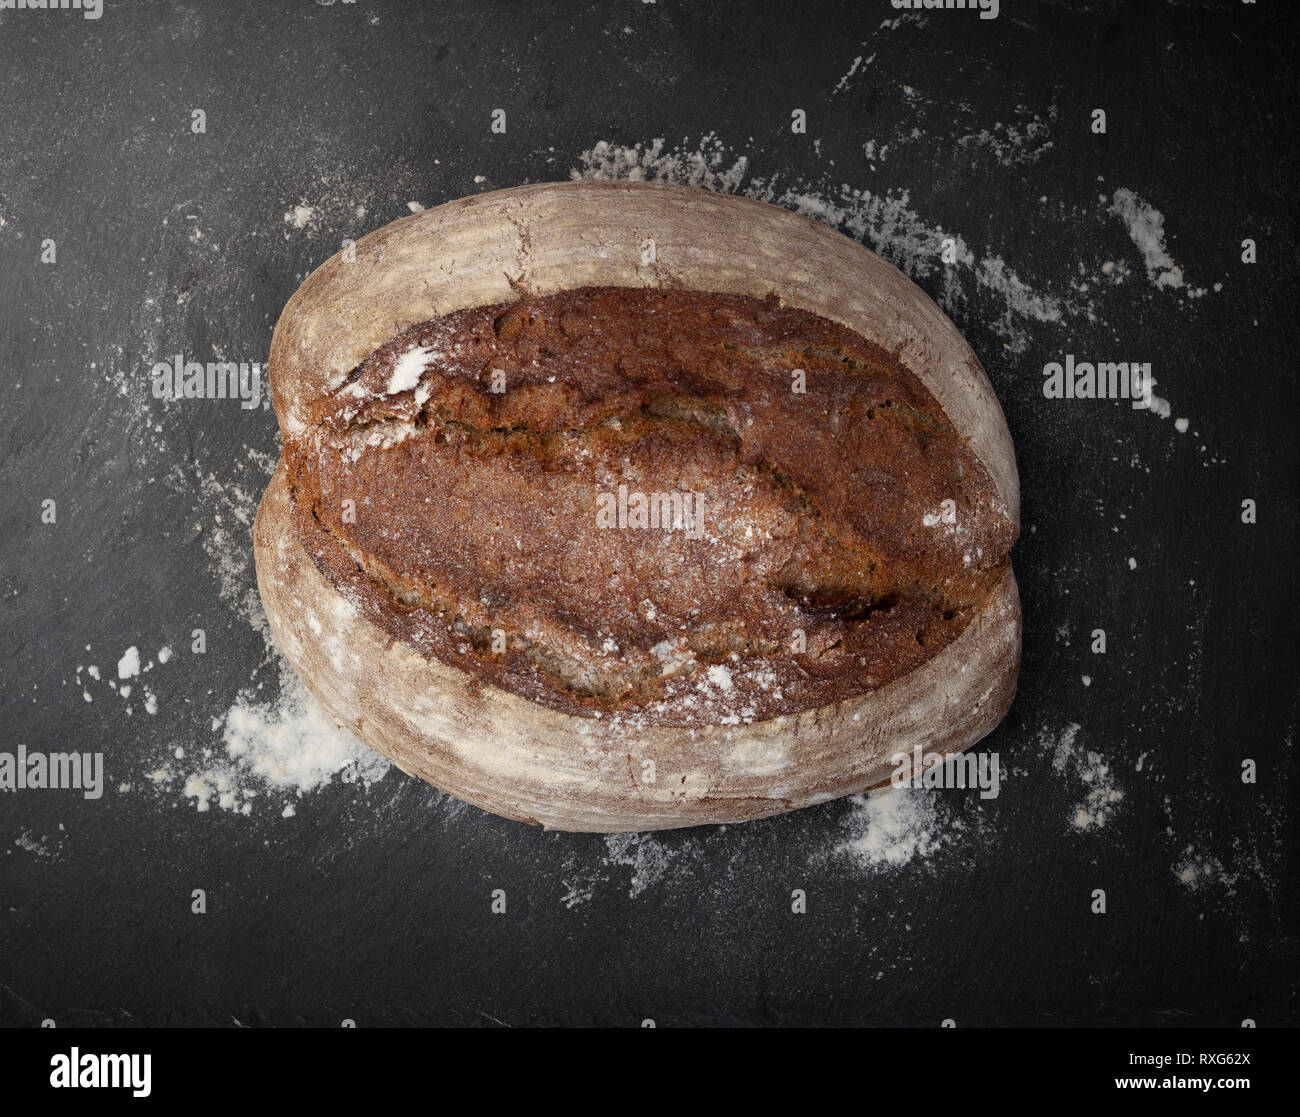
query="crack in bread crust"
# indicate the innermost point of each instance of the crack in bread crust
(829, 563)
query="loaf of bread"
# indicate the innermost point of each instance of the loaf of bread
(619, 507)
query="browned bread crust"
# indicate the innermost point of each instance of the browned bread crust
(823, 567)
(434, 560)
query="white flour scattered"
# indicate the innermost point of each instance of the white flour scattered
(29, 843)
(331, 208)
(710, 167)
(859, 61)
(300, 216)
(1101, 795)
(407, 370)
(1159, 406)
(227, 540)
(276, 748)
(647, 858)
(129, 665)
(578, 891)
(720, 677)
(893, 826)
(283, 748)
(1196, 871)
(1146, 227)
(1101, 798)
(1228, 874)
(886, 829)
(294, 743)
(1013, 144)
(898, 21)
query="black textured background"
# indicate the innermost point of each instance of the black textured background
(371, 902)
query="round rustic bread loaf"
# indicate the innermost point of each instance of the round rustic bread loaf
(618, 506)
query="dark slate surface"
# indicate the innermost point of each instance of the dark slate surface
(372, 900)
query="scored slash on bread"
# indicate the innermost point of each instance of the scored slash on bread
(454, 400)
